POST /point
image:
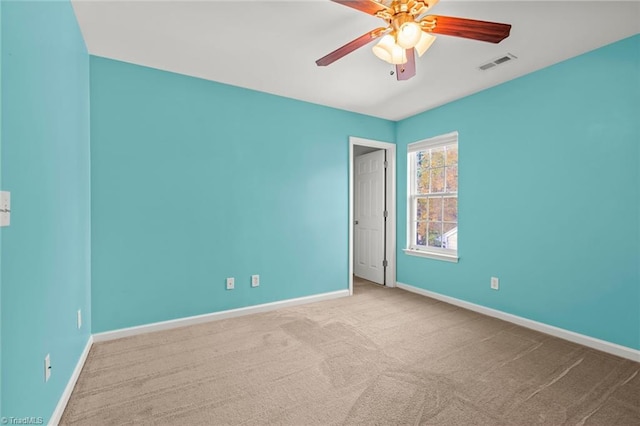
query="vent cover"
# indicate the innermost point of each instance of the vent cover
(487, 66)
(498, 61)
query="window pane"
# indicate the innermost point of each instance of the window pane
(437, 157)
(421, 233)
(437, 180)
(452, 179)
(435, 234)
(423, 181)
(422, 158)
(435, 209)
(421, 209)
(450, 209)
(450, 236)
(452, 155)
(448, 227)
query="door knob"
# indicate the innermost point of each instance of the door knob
(356, 222)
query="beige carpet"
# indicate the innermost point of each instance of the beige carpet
(384, 356)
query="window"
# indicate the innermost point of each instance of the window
(432, 211)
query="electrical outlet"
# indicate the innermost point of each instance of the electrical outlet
(255, 280)
(79, 318)
(495, 283)
(231, 283)
(47, 368)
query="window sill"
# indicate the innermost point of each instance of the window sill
(431, 255)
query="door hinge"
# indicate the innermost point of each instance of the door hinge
(385, 214)
(386, 164)
(385, 263)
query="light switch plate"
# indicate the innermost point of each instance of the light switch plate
(5, 208)
(47, 368)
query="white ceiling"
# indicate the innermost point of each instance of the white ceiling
(235, 42)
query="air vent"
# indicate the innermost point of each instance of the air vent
(498, 61)
(487, 66)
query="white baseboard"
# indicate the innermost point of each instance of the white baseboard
(64, 399)
(198, 319)
(601, 345)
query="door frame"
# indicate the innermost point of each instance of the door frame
(390, 273)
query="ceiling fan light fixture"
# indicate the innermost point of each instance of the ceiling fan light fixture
(384, 48)
(409, 35)
(389, 51)
(426, 40)
(399, 55)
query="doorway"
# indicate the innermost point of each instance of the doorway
(372, 235)
(369, 213)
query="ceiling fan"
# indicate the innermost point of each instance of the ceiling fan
(410, 31)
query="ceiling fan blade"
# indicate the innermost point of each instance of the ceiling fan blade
(408, 70)
(367, 6)
(492, 32)
(350, 47)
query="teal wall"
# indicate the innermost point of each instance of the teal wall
(549, 196)
(195, 181)
(45, 164)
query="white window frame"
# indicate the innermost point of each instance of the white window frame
(450, 255)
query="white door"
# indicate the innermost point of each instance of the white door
(369, 232)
